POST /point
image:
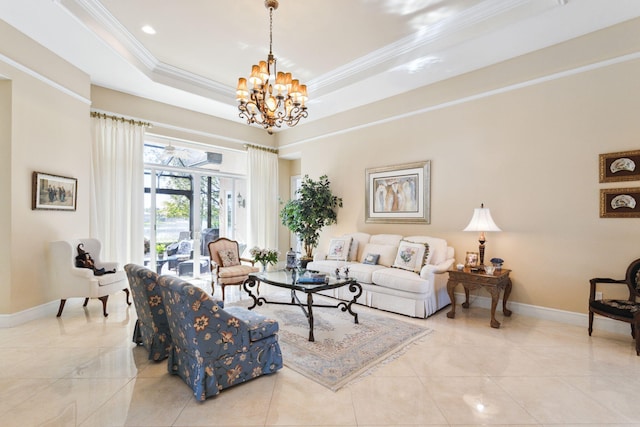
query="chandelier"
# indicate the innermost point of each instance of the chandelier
(275, 97)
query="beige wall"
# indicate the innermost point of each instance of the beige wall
(49, 128)
(530, 154)
(5, 191)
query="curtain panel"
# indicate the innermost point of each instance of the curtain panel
(117, 188)
(262, 200)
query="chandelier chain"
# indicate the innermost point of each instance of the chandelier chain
(275, 98)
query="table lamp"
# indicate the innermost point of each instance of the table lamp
(482, 221)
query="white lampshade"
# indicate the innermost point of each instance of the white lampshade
(482, 221)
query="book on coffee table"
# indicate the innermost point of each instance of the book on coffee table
(310, 277)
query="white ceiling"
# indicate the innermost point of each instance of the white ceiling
(348, 52)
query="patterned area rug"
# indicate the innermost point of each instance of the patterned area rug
(342, 350)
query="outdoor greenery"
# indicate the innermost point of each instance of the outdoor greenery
(314, 208)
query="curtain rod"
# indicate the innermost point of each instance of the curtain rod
(259, 147)
(120, 119)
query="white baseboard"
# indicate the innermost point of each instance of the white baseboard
(561, 316)
(33, 313)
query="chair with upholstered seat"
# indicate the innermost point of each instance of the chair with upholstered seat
(152, 327)
(216, 347)
(68, 281)
(619, 309)
(226, 264)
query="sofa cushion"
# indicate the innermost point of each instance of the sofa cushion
(401, 280)
(357, 245)
(386, 239)
(437, 248)
(363, 272)
(339, 248)
(387, 253)
(411, 256)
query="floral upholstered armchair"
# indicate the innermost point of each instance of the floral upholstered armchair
(152, 326)
(215, 347)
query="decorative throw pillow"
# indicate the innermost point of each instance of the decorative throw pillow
(229, 257)
(371, 259)
(339, 248)
(411, 256)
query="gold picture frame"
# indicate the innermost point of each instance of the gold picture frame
(471, 259)
(620, 202)
(620, 166)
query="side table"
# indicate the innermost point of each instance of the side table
(493, 283)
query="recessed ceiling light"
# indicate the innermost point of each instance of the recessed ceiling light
(148, 29)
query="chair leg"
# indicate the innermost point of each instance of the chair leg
(126, 291)
(86, 301)
(222, 286)
(137, 335)
(590, 322)
(104, 304)
(62, 302)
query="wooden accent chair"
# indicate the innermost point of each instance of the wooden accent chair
(624, 310)
(68, 281)
(226, 264)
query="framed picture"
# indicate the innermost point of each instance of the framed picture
(622, 166)
(620, 203)
(52, 192)
(471, 259)
(398, 194)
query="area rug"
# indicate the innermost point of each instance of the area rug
(342, 350)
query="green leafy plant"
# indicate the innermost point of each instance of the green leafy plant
(314, 208)
(160, 248)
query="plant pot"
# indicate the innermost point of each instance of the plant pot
(304, 262)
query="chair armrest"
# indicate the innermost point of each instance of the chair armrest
(247, 260)
(593, 282)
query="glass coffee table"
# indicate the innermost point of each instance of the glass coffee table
(289, 280)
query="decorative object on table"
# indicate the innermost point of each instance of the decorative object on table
(398, 194)
(346, 272)
(497, 263)
(620, 166)
(314, 208)
(264, 256)
(620, 203)
(53, 192)
(313, 277)
(471, 260)
(489, 269)
(276, 97)
(291, 259)
(482, 222)
(337, 272)
(460, 267)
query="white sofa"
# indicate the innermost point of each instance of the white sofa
(418, 293)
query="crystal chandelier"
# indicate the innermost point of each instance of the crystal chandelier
(276, 97)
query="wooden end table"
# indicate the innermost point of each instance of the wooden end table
(494, 283)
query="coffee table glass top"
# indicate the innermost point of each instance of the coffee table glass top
(285, 278)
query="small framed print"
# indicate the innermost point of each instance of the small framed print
(620, 203)
(471, 259)
(621, 166)
(53, 192)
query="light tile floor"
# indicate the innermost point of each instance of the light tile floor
(83, 370)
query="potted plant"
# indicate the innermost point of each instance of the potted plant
(314, 208)
(160, 249)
